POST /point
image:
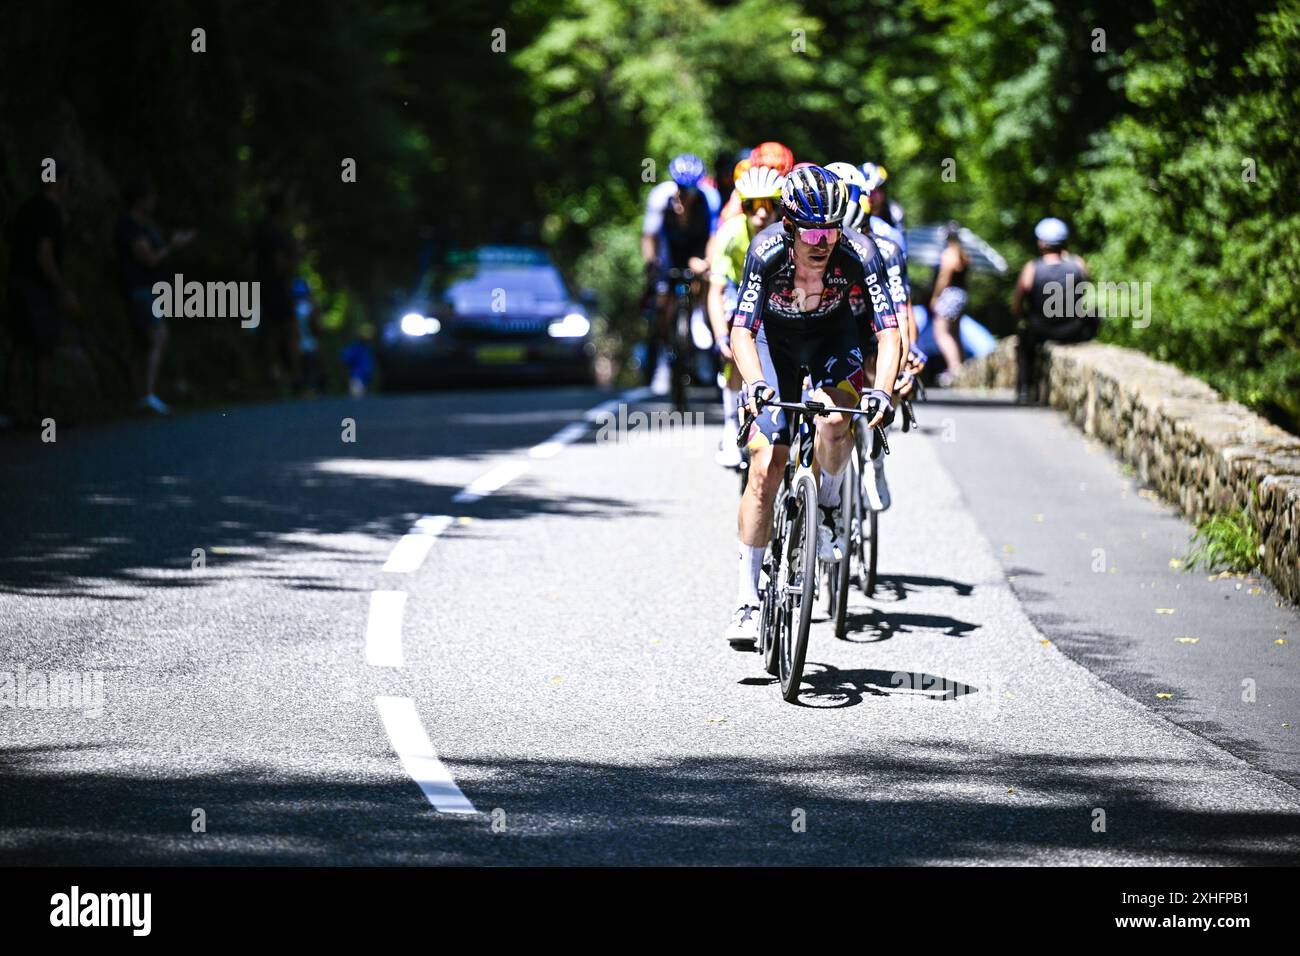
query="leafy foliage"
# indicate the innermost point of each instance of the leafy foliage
(1136, 121)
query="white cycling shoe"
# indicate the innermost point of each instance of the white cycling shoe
(877, 490)
(830, 543)
(743, 629)
(661, 381)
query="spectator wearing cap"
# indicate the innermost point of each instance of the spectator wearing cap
(1045, 313)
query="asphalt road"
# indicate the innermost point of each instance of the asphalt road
(375, 665)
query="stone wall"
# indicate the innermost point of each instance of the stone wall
(1185, 440)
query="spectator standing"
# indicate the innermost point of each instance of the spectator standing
(948, 300)
(141, 250)
(276, 256)
(1040, 300)
(38, 296)
(308, 318)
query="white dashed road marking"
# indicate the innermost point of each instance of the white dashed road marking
(410, 551)
(509, 470)
(384, 628)
(421, 763)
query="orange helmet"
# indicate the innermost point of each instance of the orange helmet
(776, 155)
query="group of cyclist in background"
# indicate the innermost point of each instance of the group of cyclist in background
(800, 280)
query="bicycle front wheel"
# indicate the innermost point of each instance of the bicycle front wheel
(800, 584)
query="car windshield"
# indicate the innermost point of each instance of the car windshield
(494, 288)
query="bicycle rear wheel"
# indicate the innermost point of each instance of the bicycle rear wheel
(682, 350)
(849, 529)
(799, 585)
(868, 538)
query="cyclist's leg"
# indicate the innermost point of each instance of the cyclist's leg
(878, 488)
(834, 360)
(769, 449)
(660, 333)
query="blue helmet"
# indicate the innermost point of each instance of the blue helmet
(814, 197)
(686, 170)
(875, 175)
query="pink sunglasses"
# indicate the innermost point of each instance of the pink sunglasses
(814, 236)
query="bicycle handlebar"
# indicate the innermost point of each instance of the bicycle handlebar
(817, 408)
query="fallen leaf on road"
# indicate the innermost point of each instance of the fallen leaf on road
(1007, 549)
(1187, 640)
(1175, 563)
(1280, 641)
(717, 720)
(1038, 518)
(1011, 789)
(1256, 591)
(1164, 610)
(1044, 642)
(464, 519)
(557, 680)
(655, 640)
(1012, 577)
(1164, 696)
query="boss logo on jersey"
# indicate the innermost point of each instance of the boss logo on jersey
(750, 296)
(896, 290)
(878, 301)
(836, 279)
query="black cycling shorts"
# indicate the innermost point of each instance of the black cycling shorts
(832, 355)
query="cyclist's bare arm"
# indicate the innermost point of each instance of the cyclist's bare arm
(649, 252)
(888, 354)
(745, 352)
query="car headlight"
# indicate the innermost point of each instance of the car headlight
(573, 326)
(413, 323)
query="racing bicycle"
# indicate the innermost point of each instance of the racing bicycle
(789, 571)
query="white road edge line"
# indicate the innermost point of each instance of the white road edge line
(508, 471)
(384, 628)
(413, 547)
(421, 763)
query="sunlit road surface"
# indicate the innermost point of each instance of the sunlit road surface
(490, 631)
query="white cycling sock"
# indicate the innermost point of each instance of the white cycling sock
(751, 564)
(828, 494)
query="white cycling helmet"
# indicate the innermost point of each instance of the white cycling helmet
(759, 182)
(852, 177)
